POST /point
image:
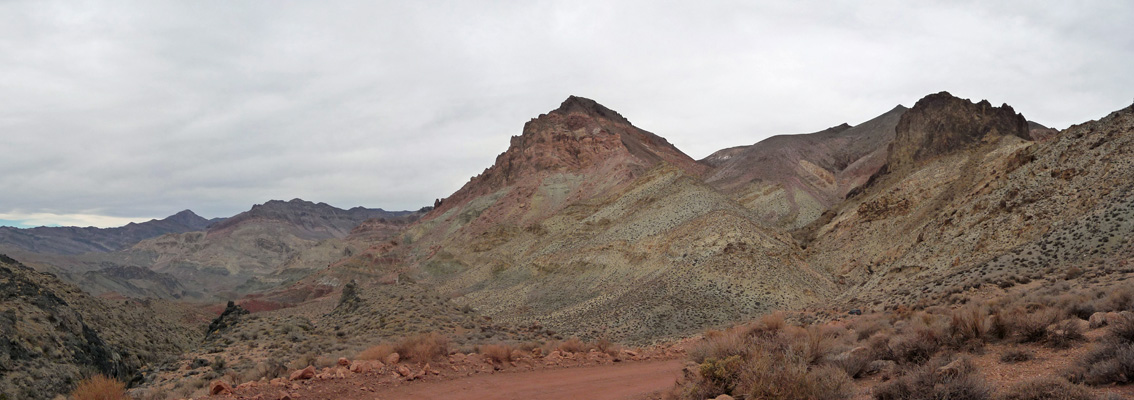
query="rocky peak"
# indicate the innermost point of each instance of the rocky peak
(579, 136)
(576, 104)
(941, 124)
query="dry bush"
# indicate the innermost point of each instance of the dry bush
(378, 352)
(100, 387)
(999, 325)
(1033, 327)
(866, 326)
(818, 344)
(784, 375)
(720, 345)
(1121, 299)
(1112, 359)
(968, 324)
(1046, 388)
(498, 353)
(1012, 356)
(1065, 334)
(608, 347)
(424, 347)
(914, 347)
(961, 382)
(573, 345)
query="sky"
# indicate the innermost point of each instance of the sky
(121, 111)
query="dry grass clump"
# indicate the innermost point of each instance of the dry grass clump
(424, 347)
(1046, 388)
(1012, 356)
(941, 378)
(498, 353)
(1112, 359)
(573, 345)
(379, 352)
(770, 359)
(100, 387)
(1065, 334)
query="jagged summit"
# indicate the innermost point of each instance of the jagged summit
(940, 123)
(591, 108)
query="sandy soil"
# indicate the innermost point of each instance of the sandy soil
(618, 381)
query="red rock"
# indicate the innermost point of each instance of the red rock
(393, 358)
(344, 362)
(219, 387)
(404, 371)
(306, 373)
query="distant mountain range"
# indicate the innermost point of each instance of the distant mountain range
(75, 240)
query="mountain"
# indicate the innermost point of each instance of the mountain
(790, 180)
(967, 201)
(52, 334)
(591, 226)
(269, 244)
(75, 240)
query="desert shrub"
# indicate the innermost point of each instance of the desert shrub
(1046, 388)
(496, 352)
(1032, 327)
(1072, 273)
(303, 361)
(999, 326)
(100, 387)
(720, 345)
(854, 363)
(968, 324)
(1120, 299)
(1012, 356)
(723, 375)
(378, 352)
(1112, 359)
(1066, 333)
(866, 326)
(608, 347)
(218, 364)
(937, 379)
(784, 374)
(573, 345)
(914, 347)
(424, 347)
(817, 344)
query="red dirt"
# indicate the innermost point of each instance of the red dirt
(617, 381)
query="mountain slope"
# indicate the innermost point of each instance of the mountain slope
(970, 202)
(592, 227)
(52, 334)
(75, 240)
(270, 244)
(789, 180)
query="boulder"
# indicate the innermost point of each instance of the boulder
(219, 387)
(1097, 320)
(393, 358)
(344, 362)
(306, 373)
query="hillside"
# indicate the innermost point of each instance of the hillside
(269, 244)
(974, 203)
(52, 334)
(790, 180)
(582, 213)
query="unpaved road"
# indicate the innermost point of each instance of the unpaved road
(632, 380)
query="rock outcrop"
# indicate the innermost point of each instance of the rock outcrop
(940, 124)
(229, 317)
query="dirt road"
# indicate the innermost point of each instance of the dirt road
(618, 381)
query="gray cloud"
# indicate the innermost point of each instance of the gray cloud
(140, 109)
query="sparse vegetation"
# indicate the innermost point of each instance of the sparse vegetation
(100, 387)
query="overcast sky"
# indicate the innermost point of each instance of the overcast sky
(125, 111)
